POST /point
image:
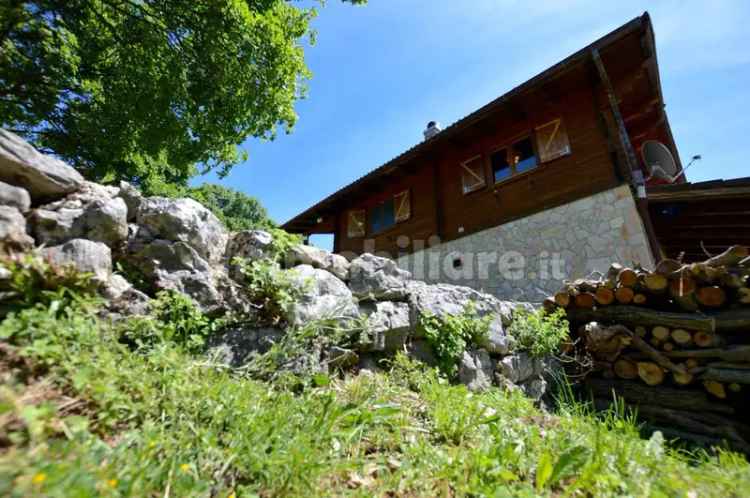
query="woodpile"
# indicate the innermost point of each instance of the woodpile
(673, 342)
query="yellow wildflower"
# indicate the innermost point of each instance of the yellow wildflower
(112, 483)
(184, 467)
(39, 478)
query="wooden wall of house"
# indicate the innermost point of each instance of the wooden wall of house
(587, 170)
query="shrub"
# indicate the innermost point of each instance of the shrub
(269, 288)
(451, 334)
(34, 280)
(174, 319)
(538, 332)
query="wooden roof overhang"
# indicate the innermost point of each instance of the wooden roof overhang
(634, 39)
(700, 219)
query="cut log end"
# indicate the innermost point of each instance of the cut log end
(625, 369)
(715, 388)
(627, 277)
(711, 297)
(682, 337)
(624, 295)
(660, 333)
(585, 300)
(650, 373)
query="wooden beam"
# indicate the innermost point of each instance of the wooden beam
(631, 157)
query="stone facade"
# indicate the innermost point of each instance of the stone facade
(528, 259)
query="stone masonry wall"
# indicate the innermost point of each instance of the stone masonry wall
(528, 259)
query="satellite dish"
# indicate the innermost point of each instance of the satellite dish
(659, 161)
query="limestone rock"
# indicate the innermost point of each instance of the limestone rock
(184, 220)
(237, 345)
(535, 388)
(115, 287)
(446, 299)
(251, 245)
(200, 286)
(13, 236)
(520, 367)
(16, 197)
(302, 254)
(324, 296)
(85, 255)
(475, 370)
(388, 326)
(421, 350)
(338, 357)
(166, 257)
(132, 198)
(375, 278)
(497, 341)
(93, 213)
(44, 177)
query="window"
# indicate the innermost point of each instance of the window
(472, 174)
(356, 223)
(518, 158)
(382, 216)
(403, 206)
(500, 166)
(552, 140)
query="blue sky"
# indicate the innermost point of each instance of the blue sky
(382, 71)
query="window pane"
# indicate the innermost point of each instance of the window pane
(500, 166)
(523, 155)
(472, 175)
(382, 216)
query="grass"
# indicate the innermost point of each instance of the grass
(85, 413)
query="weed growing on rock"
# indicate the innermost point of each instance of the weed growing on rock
(269, 288)
(538, 332)
(450, 335)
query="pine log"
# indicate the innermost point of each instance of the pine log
(660, 332)
(549, 305)
(655, 355)
(699, 439)
(715, 388)
(605, 343)
(624, 295)
(604, 296)
(682, 378)
(734, 387)
(730, 257)
(711, 297)
(670, 397)
(625, 369)
(640, 331)
(724, 320)
(668, 346)
(650, 373)
(745, 263)
(682, 290)
(732, 280)
(682, 337)
(705, 273)
(706, 339)
(655, 282)
(729, 353)
(726, 375)
(691, 363)
(729, 364)
(585, 300)
(562, 299)
(639, 298)
(716, 426)
(627, 277)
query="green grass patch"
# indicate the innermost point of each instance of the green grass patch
(86, 412)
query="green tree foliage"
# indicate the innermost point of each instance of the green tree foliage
(237, 210)
(147, 90)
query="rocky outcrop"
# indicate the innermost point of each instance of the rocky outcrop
(323, 297)
(43, 177)
(183, 220)
(16, 197)
(180, 245)
(318, 258)
(13, 236)
(377, 279)
(94, 213)
(85, 255)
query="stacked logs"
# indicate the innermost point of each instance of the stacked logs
(673, 342)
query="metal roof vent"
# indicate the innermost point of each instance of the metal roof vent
(433, 128)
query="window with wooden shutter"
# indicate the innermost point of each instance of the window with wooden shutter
(356, 223)
(552, 140)
(472, 175)
(403, 206)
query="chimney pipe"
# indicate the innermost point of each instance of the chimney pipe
(433, 128)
